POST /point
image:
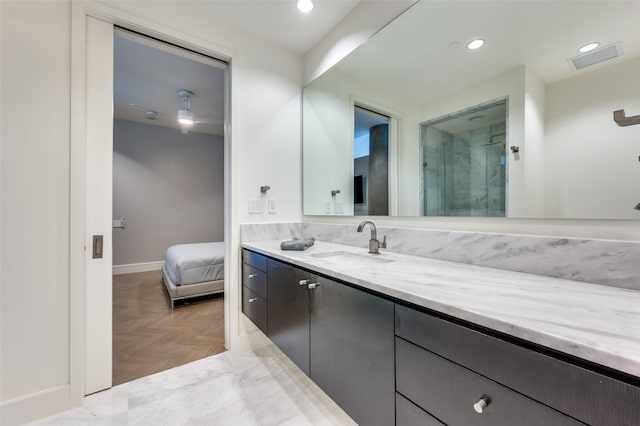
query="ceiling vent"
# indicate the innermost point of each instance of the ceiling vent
(596, 56)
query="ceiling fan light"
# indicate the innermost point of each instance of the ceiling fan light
(185, 117)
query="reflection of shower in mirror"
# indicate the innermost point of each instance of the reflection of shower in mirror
(464, 162)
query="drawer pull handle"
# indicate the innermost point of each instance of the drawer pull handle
(304, 282)
(253, 300)
(313, 285)
(253, 275)
(481, 405)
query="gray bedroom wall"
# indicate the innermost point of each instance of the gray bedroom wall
(168, 186)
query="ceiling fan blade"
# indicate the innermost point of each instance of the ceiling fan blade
(207, 121)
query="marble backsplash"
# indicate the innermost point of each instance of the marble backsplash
(270, 231)
(613, 263)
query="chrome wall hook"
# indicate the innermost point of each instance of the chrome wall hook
(264, 189)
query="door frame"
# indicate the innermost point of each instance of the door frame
(78, 239)
(395, 124)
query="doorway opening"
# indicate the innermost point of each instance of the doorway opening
(371, 163)
(168, 206)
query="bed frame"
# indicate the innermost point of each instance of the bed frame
(181, 292)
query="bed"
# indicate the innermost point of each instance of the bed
(192, 270)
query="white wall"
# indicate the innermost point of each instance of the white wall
(328, 140)
(35, 175)
(168, 186)
(34, 151)
(583, 143)
(533, 149)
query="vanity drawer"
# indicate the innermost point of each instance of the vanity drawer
(586, 395)
(255, 308)
(255, 280)
(409, 414)
(254, 259)
(451, 393)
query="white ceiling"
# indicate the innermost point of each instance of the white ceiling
(279, 21)
(412, 54)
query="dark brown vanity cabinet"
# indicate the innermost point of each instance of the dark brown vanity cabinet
(254, 288)
(340, 336)
(352, 350)
(288, 311)
(462, 376)
(387, 362)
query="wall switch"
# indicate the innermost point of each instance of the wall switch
(271, 206)
(327, 207)
(255, 206)
(339, 207)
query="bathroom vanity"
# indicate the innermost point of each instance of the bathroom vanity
(405, 340)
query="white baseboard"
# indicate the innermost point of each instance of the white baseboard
(137, 267)
(35, 406)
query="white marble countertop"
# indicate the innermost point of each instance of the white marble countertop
(593, 322)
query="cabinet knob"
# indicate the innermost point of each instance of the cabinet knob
(253, 275)
(253, 300)
(481, 404)
(313, 285)
(304, 282)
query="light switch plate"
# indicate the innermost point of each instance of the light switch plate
(255, 206)
(339, 207)
(327, 207)
(271, 206)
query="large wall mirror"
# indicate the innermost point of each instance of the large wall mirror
(522, 126)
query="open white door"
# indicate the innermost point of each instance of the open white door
(98, 196)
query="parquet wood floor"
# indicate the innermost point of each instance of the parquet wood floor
(149, 337)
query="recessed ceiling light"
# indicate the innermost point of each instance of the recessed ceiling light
(475, 44)
(305, 6)
(588, 47)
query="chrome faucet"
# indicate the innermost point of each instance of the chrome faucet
(374, 244)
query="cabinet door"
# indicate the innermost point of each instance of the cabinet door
(255, 308)
(352, 350)
(288, 311)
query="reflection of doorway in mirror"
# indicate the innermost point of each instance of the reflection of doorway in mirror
(371, 163)
(464, 162)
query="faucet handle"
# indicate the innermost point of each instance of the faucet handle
(383, 244)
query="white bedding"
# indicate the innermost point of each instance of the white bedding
(193, 263)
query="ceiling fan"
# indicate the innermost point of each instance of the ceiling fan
(185, 116)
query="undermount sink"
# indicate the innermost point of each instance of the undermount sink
(351, 258)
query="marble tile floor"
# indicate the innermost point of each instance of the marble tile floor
(256, 388)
